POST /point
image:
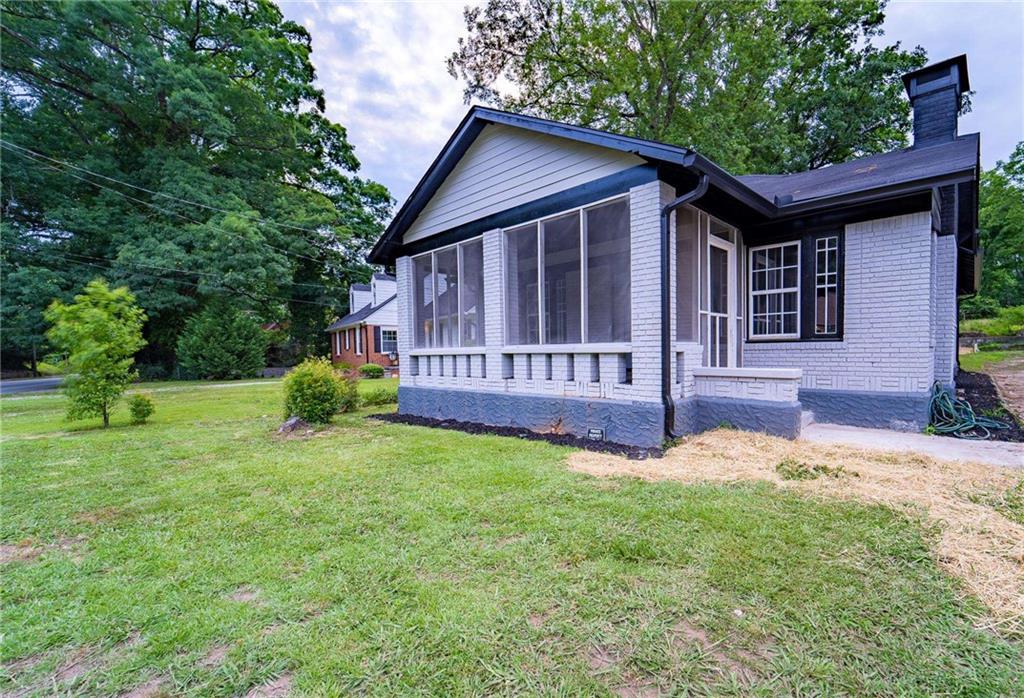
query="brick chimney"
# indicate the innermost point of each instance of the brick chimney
(934, 93)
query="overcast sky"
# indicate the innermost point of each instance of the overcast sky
(381, 66)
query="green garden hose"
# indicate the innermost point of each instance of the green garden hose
(950, 415)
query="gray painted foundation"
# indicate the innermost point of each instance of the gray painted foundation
(630, 423)
(898, 411)
(767, 416)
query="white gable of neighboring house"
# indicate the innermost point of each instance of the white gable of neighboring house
(385, 316)
(382, 289)
(507, 167)
(358, 299)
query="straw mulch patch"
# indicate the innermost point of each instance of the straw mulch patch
(979, 541)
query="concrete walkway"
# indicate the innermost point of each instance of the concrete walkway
(944, 447)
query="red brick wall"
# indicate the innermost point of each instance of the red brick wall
(370, 354)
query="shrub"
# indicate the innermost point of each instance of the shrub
(371, 371)
(222, 343)
(314, 391)
(978, 307)
(140, 407)
(380, 396)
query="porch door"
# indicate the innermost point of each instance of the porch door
(721, 317)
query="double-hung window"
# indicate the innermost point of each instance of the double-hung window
(388, 341)
(826, 285)
(775, 291)
(347, 340)
(568, 277)
(359, 341)
(795, 288)
(448, 296)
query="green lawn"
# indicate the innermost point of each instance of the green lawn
(980, 360)
(202, 555)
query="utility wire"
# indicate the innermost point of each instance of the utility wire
(158, 208)
(117, 260)
(154, 193)
(189, 283)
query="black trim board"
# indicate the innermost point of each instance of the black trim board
(618, 183)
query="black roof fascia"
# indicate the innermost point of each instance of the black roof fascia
(756, 209)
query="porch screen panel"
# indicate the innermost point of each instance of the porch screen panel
(472, 290)
(687, 259)
(608, 273)
(446, 264)
(522, 308)
(562, 282)
(423, 302)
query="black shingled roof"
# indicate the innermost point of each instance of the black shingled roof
(358, 316)
(868, 173)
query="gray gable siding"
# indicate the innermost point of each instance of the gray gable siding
(506, 167)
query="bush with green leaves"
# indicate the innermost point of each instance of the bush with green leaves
(315, 391)
(380, 396)
(100, 333)
(220, 343)
(140, 407)
(371, 371)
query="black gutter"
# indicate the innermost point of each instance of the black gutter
(666, 303)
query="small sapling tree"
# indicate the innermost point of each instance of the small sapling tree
(100, 333)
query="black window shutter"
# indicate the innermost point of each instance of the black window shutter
(376, 338)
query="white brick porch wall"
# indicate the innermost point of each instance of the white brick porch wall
(944, 307)
(887, 334)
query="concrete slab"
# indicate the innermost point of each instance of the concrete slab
(944, 447)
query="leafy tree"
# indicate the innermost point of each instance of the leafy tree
(182, 148)
(1001, 219)
(776, 86)
(21, 315)
(100, 331)
(222, 343)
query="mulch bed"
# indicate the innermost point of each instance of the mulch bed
(979, 390)
(631, 452)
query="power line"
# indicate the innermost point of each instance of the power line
(155, 193)
(158, 208)
(154, 266)
(189, 283)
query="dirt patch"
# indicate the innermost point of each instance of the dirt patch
(996, 396)
(215, 657)
(245, 595)
(559, 439)
(977, 544)
(686, 635)
(154, 688)
(600, 659)
(277, 688)
(26, 550)
(98, 516)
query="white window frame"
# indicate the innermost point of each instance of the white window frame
(785, 289)
(347, 339)
(433, 282)
(359, 341)
(383, 341)
(584, 281)
(821, 281)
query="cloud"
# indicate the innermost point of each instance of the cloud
(382, 68)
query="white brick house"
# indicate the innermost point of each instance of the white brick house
(564, 279)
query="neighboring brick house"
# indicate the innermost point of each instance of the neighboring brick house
(369, 334)
(561, 278)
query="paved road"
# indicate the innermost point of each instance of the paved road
(30, 385)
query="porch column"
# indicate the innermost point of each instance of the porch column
(494, 307)
(403, 273)
(645, 203)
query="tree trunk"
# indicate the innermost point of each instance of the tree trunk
(35, 367)
(106, 417)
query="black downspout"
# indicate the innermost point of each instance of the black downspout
(666, 304)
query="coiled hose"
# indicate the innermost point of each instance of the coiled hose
(950, 415)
